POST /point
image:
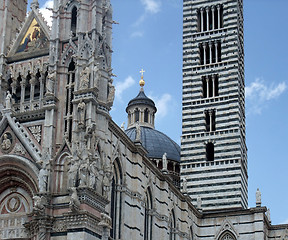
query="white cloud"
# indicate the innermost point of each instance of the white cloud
(162, 104)
(47, 14)
(122, 86)
(137, 34)
(151, 6)
(258, 93)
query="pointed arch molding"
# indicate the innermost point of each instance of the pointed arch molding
(226, 227)
(19, 171)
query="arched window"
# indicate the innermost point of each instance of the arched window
(172, 225)
(210, 151)
(146, 113)
(137, 113)
(69, 98)
(115, 213)
(74, 21)
(148, 216)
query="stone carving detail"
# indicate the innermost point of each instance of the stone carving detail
(164, 162)
(7, 142)
(39, 202)
(36, 132)
(59, 226)
(19, 150)
(13, 204)
(84, 78)
(13, 228)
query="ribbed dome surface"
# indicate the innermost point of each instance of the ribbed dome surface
(156, 143)
(141, 99)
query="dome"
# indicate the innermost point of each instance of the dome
(156, 143)
(141, 99)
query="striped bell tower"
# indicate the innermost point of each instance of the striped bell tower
(213, 147)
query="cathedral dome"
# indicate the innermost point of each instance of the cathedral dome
(156, 143)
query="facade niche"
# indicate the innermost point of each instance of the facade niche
(148, 217)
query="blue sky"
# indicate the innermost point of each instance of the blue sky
(149, 36)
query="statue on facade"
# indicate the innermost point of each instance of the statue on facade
(184, 186)
(38, 203)
(72, 172)
(111, 93)
(199, 203)
(74, 200)
(258, 198)
(81, 108)
(84, 78)
(97, 74)
(93, 175)
(8, 100)
(83, 173)
(164, 162)
(43, 178)
(123, 126)
(6, 142)
(138, 132)
(50, 83)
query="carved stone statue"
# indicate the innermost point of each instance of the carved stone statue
(72, 173)
(268, 215)
(6, 142)
(8, 100)
(123, 126)
(111, 93)
(74, 201)
(43, 178)
(50, 83)
(97, 74)
(258, 198)
(38, 203)
(93, 175)
(83, 174)
(81, 108)
(184, 186)
(164, 162)
(84, 78)
(138, 132)
(199, 203)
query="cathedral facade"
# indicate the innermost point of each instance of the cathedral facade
(67, 171)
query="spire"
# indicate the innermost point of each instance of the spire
(35, 4)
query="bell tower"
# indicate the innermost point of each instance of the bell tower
(213, 147)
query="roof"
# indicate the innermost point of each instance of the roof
(141, 99)
(156, 143)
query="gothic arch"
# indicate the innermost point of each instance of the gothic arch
(227, 235)
(61, 168)
(148, 217)
(227, 231)
(18, 173)
(172, 225)
(116, 200)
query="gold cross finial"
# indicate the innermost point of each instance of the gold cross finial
(142, 82)
(142, 72)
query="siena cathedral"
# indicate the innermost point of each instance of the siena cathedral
(68, 172)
